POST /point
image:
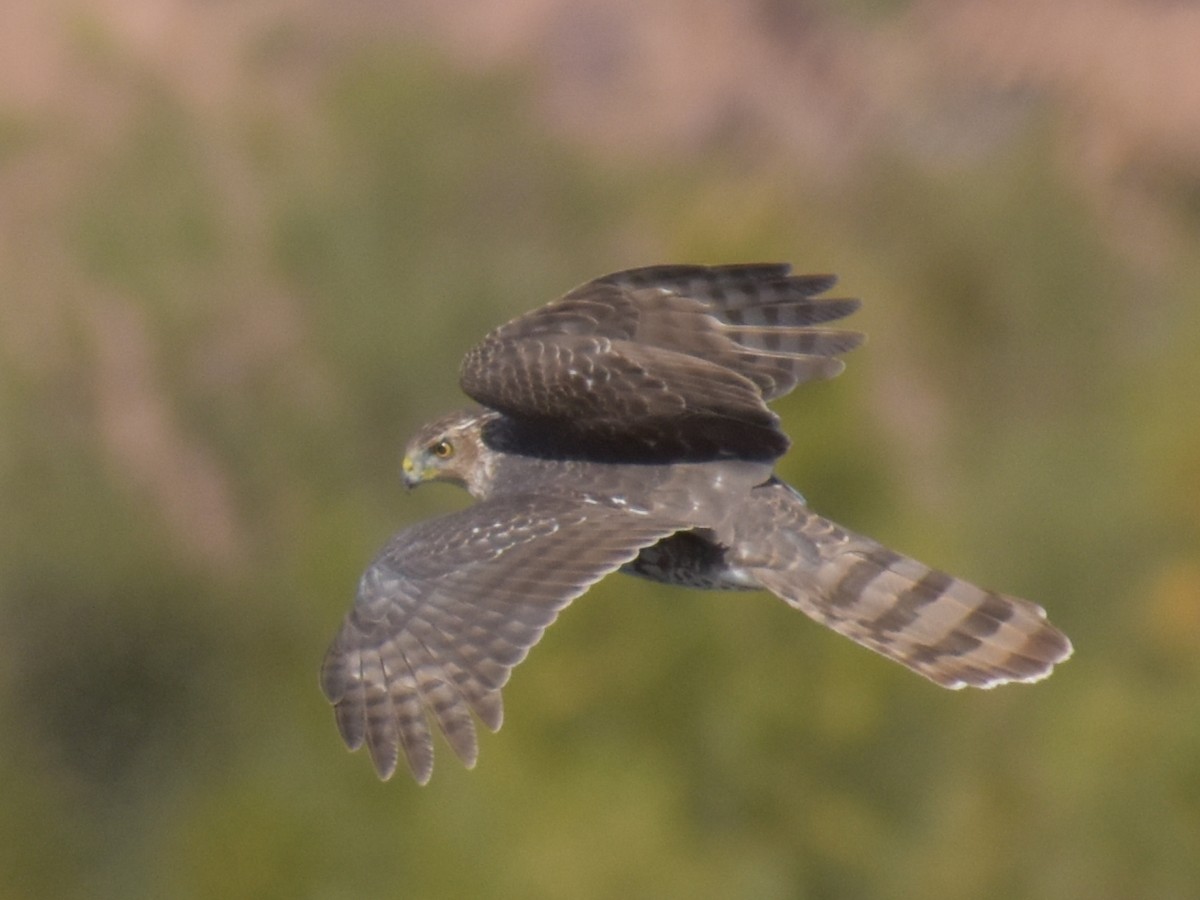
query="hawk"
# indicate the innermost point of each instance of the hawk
(625, 427)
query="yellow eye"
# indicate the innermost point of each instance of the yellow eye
(443, 449)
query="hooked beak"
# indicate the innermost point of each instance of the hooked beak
(409, 473)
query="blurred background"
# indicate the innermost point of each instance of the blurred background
(242, 249)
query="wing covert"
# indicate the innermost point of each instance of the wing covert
(673, 357)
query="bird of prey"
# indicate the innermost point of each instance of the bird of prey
(625, 427)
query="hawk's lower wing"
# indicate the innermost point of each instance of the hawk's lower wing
(451, 605)
(947, 629)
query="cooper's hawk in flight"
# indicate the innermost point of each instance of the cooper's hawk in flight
(625, 427)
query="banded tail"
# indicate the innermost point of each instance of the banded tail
(947, 629)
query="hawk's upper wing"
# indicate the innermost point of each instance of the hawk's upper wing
(667, 355)
(452, 604)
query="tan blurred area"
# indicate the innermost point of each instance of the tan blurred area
(790, 85)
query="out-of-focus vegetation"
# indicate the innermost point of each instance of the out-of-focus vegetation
(231, 283)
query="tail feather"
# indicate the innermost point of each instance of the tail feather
(947, 629)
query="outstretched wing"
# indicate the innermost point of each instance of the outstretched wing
(678, 358)
(451, 605)
(947, 629)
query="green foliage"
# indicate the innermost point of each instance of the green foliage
(200, 464)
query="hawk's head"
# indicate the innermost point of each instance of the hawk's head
(450, 449)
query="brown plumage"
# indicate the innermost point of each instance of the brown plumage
(677, 361)
(625, 427)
